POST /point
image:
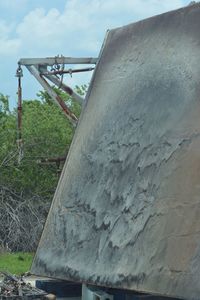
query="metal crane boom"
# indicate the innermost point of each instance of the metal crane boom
(38, 67)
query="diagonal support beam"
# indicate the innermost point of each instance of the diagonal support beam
(58, 100)
(65, 88)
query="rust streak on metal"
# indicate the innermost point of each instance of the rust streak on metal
(66, 109)
(69, 71)
(67, 89)
(19, 75)
(61, 103)
(19, 108)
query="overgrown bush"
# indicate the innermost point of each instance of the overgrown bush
(22, 220)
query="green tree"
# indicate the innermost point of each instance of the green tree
(73, 105)
(27, 179)
(46, 133)
(4, 104)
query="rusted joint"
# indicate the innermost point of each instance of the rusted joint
(66, 109)
(68, 90)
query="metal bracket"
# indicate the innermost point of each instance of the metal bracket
(38, 68)
(50, 61)
(19, 75)
(34, 71)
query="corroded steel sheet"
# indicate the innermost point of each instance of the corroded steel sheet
(126, 212)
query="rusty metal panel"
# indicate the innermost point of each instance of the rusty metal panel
(126, 212)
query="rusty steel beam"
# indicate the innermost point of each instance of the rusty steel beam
(38, 67)
(65, 88)
(69, 71)
(19, 75)
(57, 99)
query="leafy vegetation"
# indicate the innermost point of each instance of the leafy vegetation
(47, 133)
(27, 172)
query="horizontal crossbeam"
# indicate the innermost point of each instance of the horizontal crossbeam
(50, 61)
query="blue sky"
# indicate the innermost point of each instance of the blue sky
(33, 28)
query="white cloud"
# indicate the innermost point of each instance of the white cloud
(82, 24)
(8, 46)
(77, 29)
(141, 8)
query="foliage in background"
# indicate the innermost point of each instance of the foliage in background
(46, 134)
(4, 104)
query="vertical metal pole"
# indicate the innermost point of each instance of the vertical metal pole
(19, 109)
(19, 75)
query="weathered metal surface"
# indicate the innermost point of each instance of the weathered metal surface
(50, 61)
(126, 212)
(65, 88)
(69, 71)
(57, 99)
(19, 75)
(38, 68)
